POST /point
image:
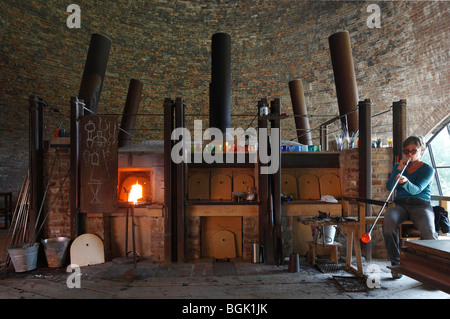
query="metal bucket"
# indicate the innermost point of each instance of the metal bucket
(56, 251)
(327, 235)
(23, 257)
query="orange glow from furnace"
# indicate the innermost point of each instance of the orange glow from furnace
(135, 193)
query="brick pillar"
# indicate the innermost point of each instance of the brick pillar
(193, 240)
(250, 235)
(56, 208)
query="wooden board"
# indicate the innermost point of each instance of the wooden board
(198, 186)
(233, 210)
(212, 229)
(221, 187)
(224, 245)
(312, 209)
(330, 184)
(289, 185)
(241, 182)
(308, 185)
(426, 261)
(98, 164)
(439, 248)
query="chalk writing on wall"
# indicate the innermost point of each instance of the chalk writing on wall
(98, 164)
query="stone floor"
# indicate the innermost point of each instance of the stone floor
(207, 279)
(185, 287)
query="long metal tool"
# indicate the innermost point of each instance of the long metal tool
(366, 237)
(21, 202)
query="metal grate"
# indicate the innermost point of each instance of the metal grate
(330, 268)
(352, 284)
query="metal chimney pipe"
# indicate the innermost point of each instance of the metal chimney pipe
(129, 112)
(36, 162)
(94, 72)
(299, 107)
(344, 78)
(220, 89)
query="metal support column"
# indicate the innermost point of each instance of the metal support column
(365, 149)
(170, 239)
(276, 123)
(324, 137)
(263, 191)
(180, 185)
(76, 112)
(365, 161)
(36, 160)
(398, 128)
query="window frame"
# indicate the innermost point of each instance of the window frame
(429, 147)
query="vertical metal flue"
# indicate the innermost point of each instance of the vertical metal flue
(300, 112)
(94, 71)
(344, 78)
(129, 113)
(220, 88)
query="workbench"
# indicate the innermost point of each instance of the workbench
(350, 227)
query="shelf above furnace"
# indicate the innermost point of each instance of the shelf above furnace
(58, 142)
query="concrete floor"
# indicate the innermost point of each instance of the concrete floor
(204, 279)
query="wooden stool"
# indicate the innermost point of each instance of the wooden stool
(320, 249)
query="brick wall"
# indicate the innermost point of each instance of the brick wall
(382, 159)
(166, 44)
(381, 168)
(250, 227)
(193, 237)
(56, 209)
(349, 164)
